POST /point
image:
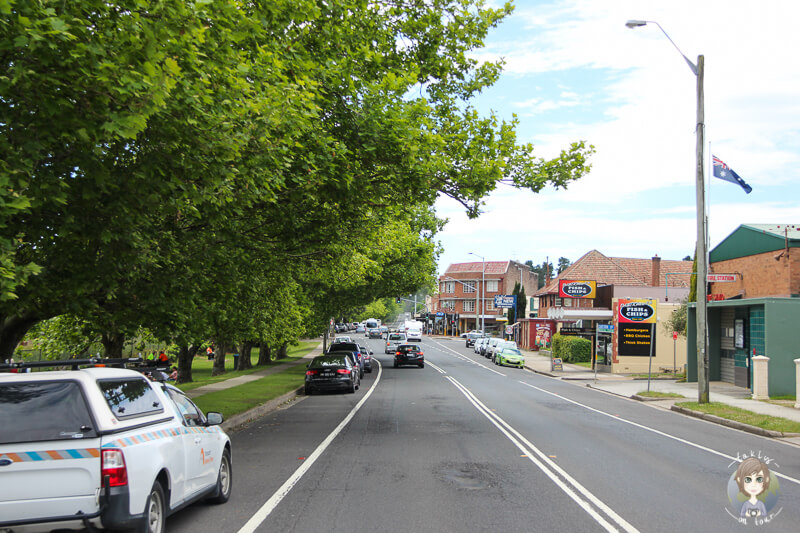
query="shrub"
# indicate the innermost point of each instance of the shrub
(572, 349)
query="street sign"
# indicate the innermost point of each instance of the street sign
(557, 364)
(568, 288)
(674, 335)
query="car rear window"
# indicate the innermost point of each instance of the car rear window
(396, 337)
(39, 411)
(328, 360)
(130, 397)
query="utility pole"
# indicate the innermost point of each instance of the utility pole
(702, 258)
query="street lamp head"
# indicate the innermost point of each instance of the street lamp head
(635, 23)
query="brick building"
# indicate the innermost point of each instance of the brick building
(466, 292)
(755, 310)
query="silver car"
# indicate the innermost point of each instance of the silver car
(393, 340)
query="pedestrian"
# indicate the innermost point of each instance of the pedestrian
(174, 374)
(162, 357)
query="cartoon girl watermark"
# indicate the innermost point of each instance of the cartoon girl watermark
(753, 490)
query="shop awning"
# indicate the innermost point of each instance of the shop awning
(562, 313)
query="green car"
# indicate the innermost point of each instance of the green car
(509, 356)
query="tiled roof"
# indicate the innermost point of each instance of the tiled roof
(622, 271)
(492, 267)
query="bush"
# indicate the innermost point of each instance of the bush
(572, 349)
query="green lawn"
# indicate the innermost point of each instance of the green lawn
(241, 398)
(721, 410)
(654, 394)
(201, 366)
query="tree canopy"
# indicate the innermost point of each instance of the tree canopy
(239, 170)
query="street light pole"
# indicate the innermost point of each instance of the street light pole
(483, 288)
(701, 251)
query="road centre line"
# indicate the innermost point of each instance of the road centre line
(258, 518)
(550, 468)
(439, 370)
(656, 431)
(465, 358)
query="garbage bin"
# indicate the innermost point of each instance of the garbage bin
(236, 361)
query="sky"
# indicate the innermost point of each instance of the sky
(574, 71)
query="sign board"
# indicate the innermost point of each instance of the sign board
(557, 364)
(605, 328)
(721, 278)
(674, 335)
(509, 330)
(505, 301)
(568, 288)
(636, 319)
(738, 333)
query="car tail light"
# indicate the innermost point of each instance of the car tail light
(399, 353)
(342, 371)
(421, 353)
(113, 466)
(312, 372)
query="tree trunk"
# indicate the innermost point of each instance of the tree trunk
(185, 357)
(282, 351)
(12, 330)
(244, 355)
(264, 354)
(219, 360)
(112, 344)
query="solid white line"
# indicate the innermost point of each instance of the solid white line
(281, 493)
(507, 430)
(439, 370)
(658, 432)
(465, 358)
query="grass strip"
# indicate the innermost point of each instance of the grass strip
(655, 394)
(772, 423)
(244, 397)
(202, 367)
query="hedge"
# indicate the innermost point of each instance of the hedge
(572, 349)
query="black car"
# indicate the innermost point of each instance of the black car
(367, 358)
(355, 349)
(374, 333)
(472, 336)
(331, 372)
(409, 354)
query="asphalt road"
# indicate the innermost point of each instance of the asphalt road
(464, 445)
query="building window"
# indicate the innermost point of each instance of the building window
(469, 286)
(490, 304)
(469, 306)
(449, 287)
(491, 285)
(449, 305)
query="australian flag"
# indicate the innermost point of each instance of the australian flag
(724, 172)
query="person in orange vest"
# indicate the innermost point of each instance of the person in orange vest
(162, 357)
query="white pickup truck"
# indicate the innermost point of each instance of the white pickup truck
(104, 448)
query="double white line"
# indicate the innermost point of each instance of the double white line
(602, 513)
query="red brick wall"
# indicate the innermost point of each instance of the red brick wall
(760, 275)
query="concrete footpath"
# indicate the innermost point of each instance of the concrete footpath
(240, 380)
(628, 387)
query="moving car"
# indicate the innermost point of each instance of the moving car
(509, 355)
(367, 356)
(104, 447)
(409, 354)
(374, 333)
(393, 340)
(414, 334)
(333, 371)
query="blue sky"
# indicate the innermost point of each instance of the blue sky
(574, 71)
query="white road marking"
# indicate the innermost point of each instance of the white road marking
(465, 358)
(439, 370)
(546, 465)
(258, 518)
(656, 431)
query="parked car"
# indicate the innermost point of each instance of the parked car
(499, 346)
(333, 371)
(508, 355)
(342, 338)
(354, 349)
(393, 340)
(409, 354)
(116, 446)
(367, 355)
(479, 344)
(464, 335)
(489, 347)
(472, 336)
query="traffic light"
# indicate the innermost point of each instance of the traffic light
(398, 300)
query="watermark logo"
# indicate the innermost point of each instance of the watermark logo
(753, 489)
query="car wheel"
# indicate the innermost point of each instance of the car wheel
(224, 480)
(422, 365)
(307, 390)
(352, 388)
(395, 363)
(155, 511)
(360, 374)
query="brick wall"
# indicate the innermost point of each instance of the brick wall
(760, 275)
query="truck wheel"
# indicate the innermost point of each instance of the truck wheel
(224, 480)
(155, 511)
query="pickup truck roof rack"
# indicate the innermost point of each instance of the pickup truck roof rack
(154, 371)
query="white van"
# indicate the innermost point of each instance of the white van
(414, 333)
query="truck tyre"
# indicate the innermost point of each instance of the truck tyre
(224, 480)
(155, 511)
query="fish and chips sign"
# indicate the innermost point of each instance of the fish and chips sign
(568, 288)
(636, 321)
